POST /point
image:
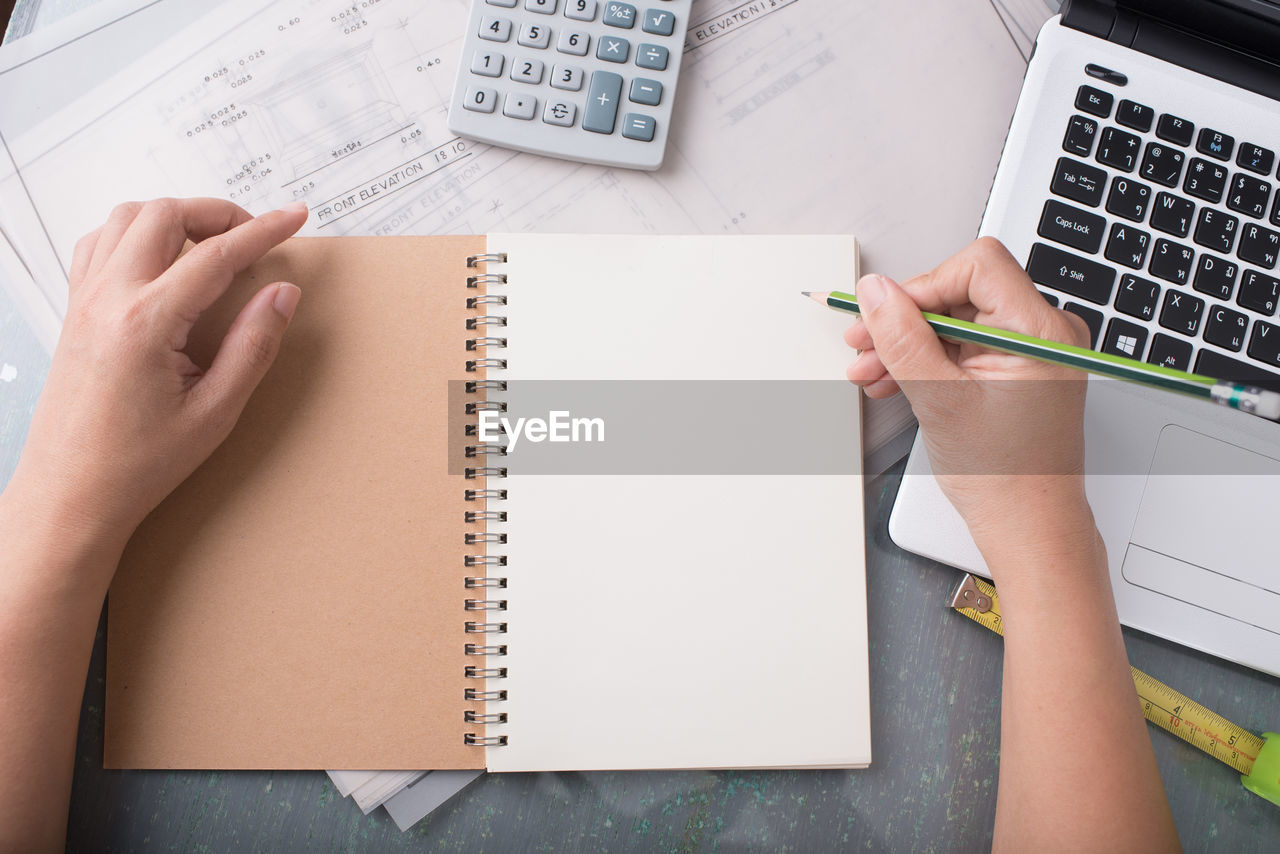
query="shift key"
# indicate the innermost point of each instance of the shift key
(1071, 274)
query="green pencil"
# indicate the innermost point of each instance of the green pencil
(1246, 398)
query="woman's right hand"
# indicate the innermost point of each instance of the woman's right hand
(1004, 433)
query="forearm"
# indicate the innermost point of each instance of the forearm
(1076, 767)
(54, 579)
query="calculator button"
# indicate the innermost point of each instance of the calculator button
(535, 35)
(495, 29)
(646, 91)
(636, 126)
(527, 70)
(580, 10)
(519, 106)
(602, 102)
(560, 113)
(613, 49)
(480, 100)
(652, 56)
(659, 22)
(567, 77)
(620, 15)
(573, 43)
(510, 4)
(544, 7)
(487, 64)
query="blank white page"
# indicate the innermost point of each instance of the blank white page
(683, 620)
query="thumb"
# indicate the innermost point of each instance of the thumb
(248, 350)
(903, 339)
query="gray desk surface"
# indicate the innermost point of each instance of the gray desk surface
(935, 717)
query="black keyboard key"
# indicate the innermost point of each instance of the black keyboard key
(1226, 328)
(1125, 339)
(1173, 214)
(1249, 195)
(1076, 228)
(1128, 199)
(1128, 245)
(1135, 115)
(1079, 182)
(1264, 343)
(1094, 101)
(1275, 211)
(1205, 180)
(1119, 149)
(1216, 230)
(1255, 158)
(1137, 297)
(1181, 312)
(1091, 317)
(1070, 274)
(1175, 130)
(1215, 144)
(1081, 133)
(1172, 261)
(1216, 277)
(1211, 363)
(1050, 298)
(1170, 352)
(1259, 292)
(1259, 245)
(1162, 164)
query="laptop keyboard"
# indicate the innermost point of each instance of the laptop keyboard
(1173, 226)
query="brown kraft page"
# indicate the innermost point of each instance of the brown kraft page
(298, 602)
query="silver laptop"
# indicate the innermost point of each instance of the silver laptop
(1138, 187)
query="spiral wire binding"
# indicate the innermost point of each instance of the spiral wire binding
(483, 320)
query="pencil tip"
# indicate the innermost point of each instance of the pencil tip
(807, 293)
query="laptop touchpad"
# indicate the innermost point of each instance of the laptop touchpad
(1205, 532)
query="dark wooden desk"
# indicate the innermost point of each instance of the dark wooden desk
(935, 718)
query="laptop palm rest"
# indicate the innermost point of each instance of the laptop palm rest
(1205, 530)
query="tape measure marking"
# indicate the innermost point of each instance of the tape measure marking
(1168, 709)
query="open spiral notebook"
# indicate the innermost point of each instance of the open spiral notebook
(359, 579)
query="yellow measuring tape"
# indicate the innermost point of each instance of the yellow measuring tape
(1257, 758)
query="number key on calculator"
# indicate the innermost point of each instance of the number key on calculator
(588, 80)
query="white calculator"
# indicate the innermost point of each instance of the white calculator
(588, 80)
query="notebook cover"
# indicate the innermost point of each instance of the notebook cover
(297, 603)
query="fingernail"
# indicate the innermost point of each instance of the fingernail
(294, 207)
(286, 299)
(870, 292)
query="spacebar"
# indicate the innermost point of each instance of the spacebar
(1220, 367)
